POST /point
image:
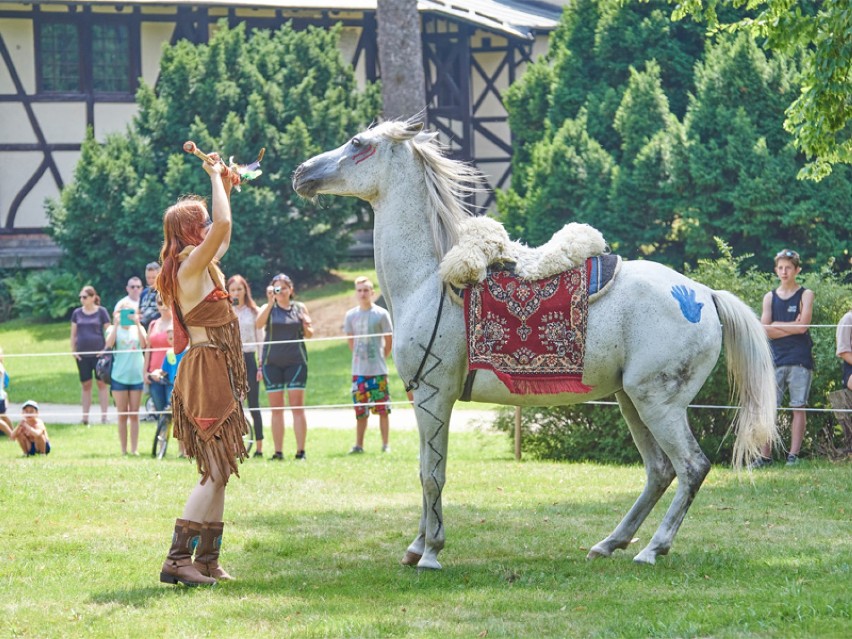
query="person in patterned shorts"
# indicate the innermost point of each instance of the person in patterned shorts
(369, 329)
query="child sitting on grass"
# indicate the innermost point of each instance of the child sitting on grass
(31, 433)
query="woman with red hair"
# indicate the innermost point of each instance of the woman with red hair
(207, 397)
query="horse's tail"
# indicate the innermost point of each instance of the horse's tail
(751, 374)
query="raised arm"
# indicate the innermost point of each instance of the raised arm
(307, 324)
(111, 334)
(218, 238)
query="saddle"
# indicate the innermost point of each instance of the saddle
(483, 243)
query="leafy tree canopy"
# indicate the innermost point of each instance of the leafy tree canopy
(820, 35)
(662, 167)
(288, 91)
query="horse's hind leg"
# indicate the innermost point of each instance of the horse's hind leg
(670, 429)
(659, 472)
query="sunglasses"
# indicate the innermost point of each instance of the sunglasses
(788, 253)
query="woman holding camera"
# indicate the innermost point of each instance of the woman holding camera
(129, 339)
(207, 397)
(89, 323)
(284, 360)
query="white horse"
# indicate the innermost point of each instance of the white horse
(639, 345)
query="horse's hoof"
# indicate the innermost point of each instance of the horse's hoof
(410, 558)
(646, 557)
(428, 564)
(597, 551)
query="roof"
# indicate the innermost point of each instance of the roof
(516, 18)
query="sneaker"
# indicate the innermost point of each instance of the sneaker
(356, 450)
(386, 448)
(300, 456)
(761, 462)
(257, 454)
(792, 459)
(277, 457)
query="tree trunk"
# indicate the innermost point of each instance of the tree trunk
(400, 59)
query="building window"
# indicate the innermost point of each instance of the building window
(86, 57)
(111, 58)
(60, 58)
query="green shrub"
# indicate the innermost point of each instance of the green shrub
(598, 433)
(287, 91)
(44, 295)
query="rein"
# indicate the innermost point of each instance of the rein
(415, 381)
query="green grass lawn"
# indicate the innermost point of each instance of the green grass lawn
(315, 548)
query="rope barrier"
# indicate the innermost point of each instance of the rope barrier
(43, 414)
(352, 405)
(261, 344)
(161, 348)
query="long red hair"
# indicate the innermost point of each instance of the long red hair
(239, 279)
(183, 225)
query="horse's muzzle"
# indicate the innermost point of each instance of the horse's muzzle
(303, 184)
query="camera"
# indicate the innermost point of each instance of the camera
(276, 290)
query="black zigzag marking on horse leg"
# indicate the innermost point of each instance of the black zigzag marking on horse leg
(442, 424)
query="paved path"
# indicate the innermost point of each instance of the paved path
(402, 417)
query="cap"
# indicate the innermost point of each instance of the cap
(29, 404)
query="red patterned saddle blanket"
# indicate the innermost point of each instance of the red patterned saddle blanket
(532, 333)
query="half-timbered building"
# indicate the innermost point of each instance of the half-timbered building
(69, 65)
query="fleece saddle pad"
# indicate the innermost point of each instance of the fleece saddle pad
(530, 333)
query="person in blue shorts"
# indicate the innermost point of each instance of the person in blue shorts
(31, 432)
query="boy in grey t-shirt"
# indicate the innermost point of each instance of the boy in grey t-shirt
(369, 366)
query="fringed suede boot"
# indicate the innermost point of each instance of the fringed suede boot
(178, 566)
(207, 553)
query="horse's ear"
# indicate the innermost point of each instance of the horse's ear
(414, 127)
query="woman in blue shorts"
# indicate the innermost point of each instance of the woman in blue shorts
(128, 370)
(285, 360)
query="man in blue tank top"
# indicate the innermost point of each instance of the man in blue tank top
(786, 317)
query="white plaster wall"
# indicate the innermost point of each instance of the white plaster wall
(15, 127)
(61, 122)
(153, 35)
(112, 118)
(18, 36)
(16, 169)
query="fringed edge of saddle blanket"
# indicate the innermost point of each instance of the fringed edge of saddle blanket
(518, 385)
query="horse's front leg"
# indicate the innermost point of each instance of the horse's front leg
(415, 549)
(433, 422)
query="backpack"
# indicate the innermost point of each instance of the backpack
(103, 368)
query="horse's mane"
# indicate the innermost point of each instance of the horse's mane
(448, 182)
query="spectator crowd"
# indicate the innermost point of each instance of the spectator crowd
(129, 352)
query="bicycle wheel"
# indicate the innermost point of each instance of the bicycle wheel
(150, 410)
(161, 437)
